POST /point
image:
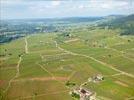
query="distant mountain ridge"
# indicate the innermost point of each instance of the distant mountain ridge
(54, 20)
(10, 29)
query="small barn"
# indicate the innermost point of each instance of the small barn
(97, 78)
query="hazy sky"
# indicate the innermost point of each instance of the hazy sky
(63, 8)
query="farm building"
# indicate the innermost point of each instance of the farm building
(97, 78)
(85, 94)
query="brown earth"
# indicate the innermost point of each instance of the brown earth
(42, 79)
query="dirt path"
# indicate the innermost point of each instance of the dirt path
(56, 44)
(71, 75)
(46, 70)
(122, 52)
(51, 74)
(39, 95)
(17, 74)
(89, 80)
(72, 40)
(83, 84)
(103, 63)
(41, 79)
(18, 67)
(60, 54)
(121, 83)
(113, 75)
(26, 46)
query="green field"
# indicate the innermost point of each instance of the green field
(38, 66)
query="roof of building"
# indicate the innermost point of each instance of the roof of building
(83, 91)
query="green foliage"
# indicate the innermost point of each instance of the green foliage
(125, 23)
(75, 95)
(70, 84)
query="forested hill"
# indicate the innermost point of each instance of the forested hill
(125, 23)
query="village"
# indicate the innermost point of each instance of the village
(81, 93)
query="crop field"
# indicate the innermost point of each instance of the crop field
(37, 67)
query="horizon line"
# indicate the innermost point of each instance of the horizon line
(66, 17)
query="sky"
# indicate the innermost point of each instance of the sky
(20, 9)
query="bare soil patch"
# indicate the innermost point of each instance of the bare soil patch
(2, 82)
(72, 40)
(42, 79)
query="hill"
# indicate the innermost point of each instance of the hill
(125, 23)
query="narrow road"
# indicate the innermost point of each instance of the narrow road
(103, 63)
(17, 74)
(18, 67)
(26, 46)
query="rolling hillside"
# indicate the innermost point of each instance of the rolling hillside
(125, 23)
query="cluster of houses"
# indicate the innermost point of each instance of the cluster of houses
(85, 94)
